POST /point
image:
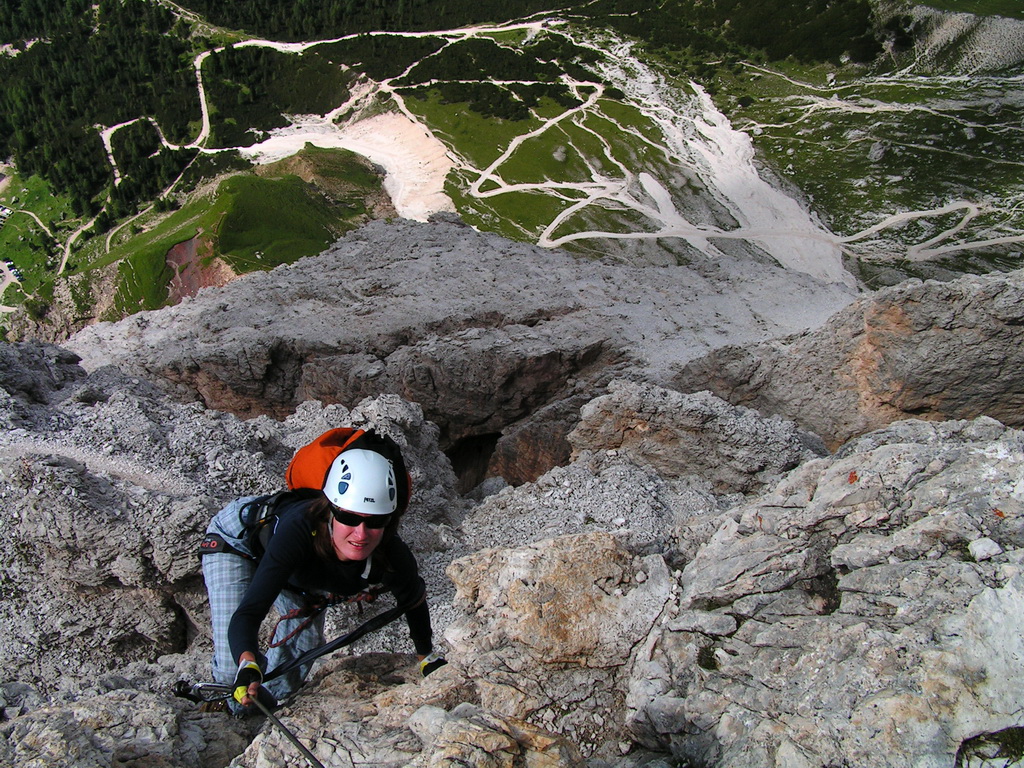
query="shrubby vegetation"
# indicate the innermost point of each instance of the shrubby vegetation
(463, 71)
(821, 30)
(483, 98)
(693, 31)
(259, 222)
(479, 58)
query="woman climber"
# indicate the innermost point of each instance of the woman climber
(331, 536)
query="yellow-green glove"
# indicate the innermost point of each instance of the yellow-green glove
(247, 674)
(432, 661)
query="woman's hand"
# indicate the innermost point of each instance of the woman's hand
(248, 679)
(431, 662)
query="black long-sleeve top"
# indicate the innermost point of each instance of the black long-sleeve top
(290, 561)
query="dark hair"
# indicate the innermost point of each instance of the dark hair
(319, 514)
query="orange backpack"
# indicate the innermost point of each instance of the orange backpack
(311, 463)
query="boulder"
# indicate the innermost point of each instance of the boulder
(550, 628)
(122, 727)
(929, 350)
(373, 709)
(737, 449)
(840, 614)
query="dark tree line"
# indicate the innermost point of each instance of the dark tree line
(480, 58)
(146, 167)
(381, 57)
(807, 30)
(812, 30)
(99, 67)
(312, 19)
(33, 19)
(251, 88)
(462, 73)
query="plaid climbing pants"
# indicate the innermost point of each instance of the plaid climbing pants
(227, 577)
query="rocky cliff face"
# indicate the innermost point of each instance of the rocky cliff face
(697, 583)
(499, 342)
(929, 350)
(707, 586)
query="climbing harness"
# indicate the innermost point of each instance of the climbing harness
(317, 604)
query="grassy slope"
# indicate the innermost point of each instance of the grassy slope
(22, 241)
(256, 223)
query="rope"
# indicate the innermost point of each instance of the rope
(371, 625)
(315, 606)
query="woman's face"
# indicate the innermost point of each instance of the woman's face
(354, 542)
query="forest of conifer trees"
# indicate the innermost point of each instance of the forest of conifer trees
(78, 67)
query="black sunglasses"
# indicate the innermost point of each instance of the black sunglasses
(354, 521)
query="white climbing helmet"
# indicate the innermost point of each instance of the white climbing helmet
(362, 481)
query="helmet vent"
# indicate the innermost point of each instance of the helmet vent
(346, 474)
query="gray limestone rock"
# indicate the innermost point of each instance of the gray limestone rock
(550, 628)
(122, 727)
(480, 331)
(865, 627)
(737, 449)
(701, 584)
(927, 350)
(469, 735)
(837, 610)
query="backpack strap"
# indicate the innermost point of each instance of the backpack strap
(255, 519)
(259, 516)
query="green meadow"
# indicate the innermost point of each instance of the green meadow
(255, 222)
(23, 241)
